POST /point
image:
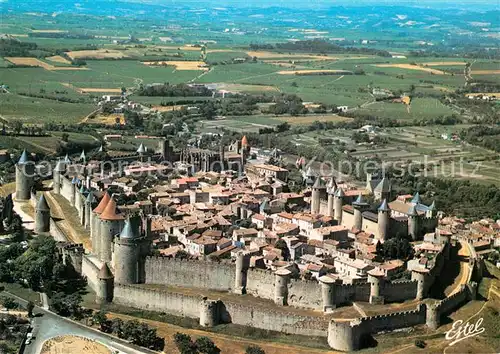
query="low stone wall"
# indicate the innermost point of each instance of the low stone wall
(56, 232)
(349, 336)
(181, 304)
(90, 271)
(157, 300)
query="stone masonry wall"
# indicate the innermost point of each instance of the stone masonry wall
(452, 302)
(66, 188)
(345, 293)
(157, 300)
(391, 321)
(400, 291)
(189, 273)
(230, 312)
(260, 283)
(281, 321)
(90, 271)
(305, 293)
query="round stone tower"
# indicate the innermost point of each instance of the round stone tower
(432, 315)
(74, 190)
(420, 277)
(318, 189)
(376, 280)
(25, 173)
(242, 264)
(384, 213)
(209, 312)
(327, 293)
(345, 336)
(42, 216)
(83, 196)
(413, 223)
(105, 285)
(338, 201)
(127, 252)
(281, 280)
(95, 228)
(57, 173)
(330, 189)
(111, 224)
(89, 203)
(359, 206)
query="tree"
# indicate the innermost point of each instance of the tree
(206, 346)
(66, 305)
(99, 317)
(184, 343)
(9, 303)
(17, 126)
(285, 252)
(116, 327)
(29, 307)
(254, 349)
(65, 137)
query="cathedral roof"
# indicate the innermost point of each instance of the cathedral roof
(384, 186)
(105, 272)
(102, 204)
(42, 204)
(111, 212)
(244, 141)
(360, 200)
(310, 172)
(432, 206)
(339, 193)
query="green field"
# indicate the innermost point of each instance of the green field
(38, 110)
(419, 108)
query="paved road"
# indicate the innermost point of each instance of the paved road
(50, 325)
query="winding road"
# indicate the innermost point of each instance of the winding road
(47, 325)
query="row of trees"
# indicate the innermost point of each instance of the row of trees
(173, 90)
(136, 332)
(317, 46)
(483, 135)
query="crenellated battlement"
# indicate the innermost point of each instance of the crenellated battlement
(420, 308)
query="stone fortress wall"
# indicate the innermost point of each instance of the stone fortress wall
(193, 306)
(262, 283)
(190, 273)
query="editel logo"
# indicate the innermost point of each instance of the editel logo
(460, 332)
